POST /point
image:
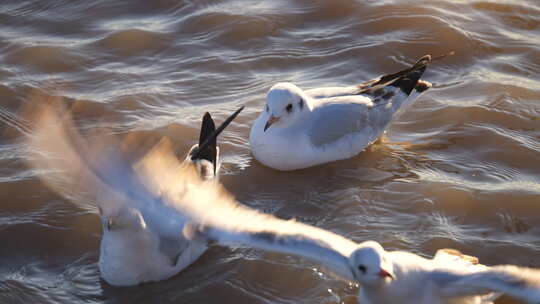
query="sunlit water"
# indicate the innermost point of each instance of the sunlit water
(461, 168)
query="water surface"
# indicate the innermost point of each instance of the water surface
(460, 169)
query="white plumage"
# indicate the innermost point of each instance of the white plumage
(299, 129)
(384, 276)
(142, 239)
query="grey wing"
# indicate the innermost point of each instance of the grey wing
(239, 225)
(518, 282)
(333, 121)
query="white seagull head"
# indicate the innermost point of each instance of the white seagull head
(369, 264)
(285, 103)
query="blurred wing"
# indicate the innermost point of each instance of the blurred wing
(230, 223)
(455, 258)
(95, 173)
(54, 151)
(518, 282)
(217, 216)
(159, 184)
(261, 231)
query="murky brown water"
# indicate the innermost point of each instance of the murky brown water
(461, 169)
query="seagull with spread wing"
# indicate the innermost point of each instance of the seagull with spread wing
(159, 205)
(450, 277)
(303, 128)
(142, 239)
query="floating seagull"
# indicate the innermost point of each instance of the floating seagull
(142, 239)
(300, 129)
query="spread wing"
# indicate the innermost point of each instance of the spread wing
(158, 183)
(54, 151)
(217, 216)
(239, 225)
(95, 172)
(518, 282)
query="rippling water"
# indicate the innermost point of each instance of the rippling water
(460, 169)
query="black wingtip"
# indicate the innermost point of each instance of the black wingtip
(407, 82)
(210, 139)
(207, 127)
(209, 151)
(424, 60)
(409, 78)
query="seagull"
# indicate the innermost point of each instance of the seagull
(142, 239)
(299, 129)
(158, 197)
(450, 277)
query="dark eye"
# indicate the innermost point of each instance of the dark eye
(289, 108)
(362, 269)
(267, 108)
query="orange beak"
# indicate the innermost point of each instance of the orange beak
(385, 274)
(270, 121)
